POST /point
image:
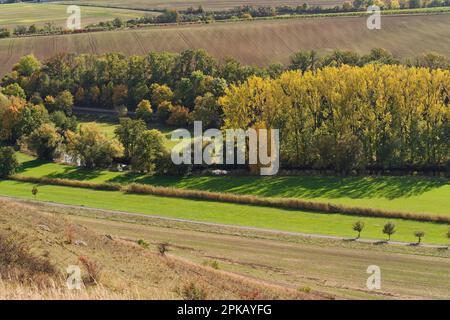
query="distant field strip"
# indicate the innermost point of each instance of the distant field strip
(226, 213)
(206, 4)
(257, 42)
(40, 13)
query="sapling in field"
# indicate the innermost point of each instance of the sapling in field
(419, 235)
(389, 229)
(358, 226)
(35, 191)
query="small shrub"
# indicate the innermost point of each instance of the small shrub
(251, 295)
(8, 162)
(304, 289)
(69, 234)
(92, 268)
(163, 248)
(213, 264)
(35, 191)
(190, 291)
(144, 244)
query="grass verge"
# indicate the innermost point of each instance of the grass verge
(226, 213)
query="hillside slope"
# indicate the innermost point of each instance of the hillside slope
(37, 245)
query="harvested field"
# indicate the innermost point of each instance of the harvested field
(206, 4)
(257, 42)
(39, 14)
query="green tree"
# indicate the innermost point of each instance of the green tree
(8, 162)
(304, 60)
(433, 60)
(27, 65)
(150, 144)
(389, 229)
(160, 93)
(35, 191)
(118, 23)
(92, 147)
(144, 111)
(15, 90)
(45, 142)
(64, 102)
(358, 226)
(419, 235)
(63, 123)
(207, 110)
(120, 96)
(168, 16)
(164, 110)
(30, 119)
(128, 133)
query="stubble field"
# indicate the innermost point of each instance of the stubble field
(257, 42)
(206, 4)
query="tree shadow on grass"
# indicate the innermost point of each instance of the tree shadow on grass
(80, 174)
(305, 186)
(31, 164)
(308, 187)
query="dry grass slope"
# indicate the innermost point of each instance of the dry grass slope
(257, 42)
(37, 245)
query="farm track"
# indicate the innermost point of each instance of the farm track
(91, 44)
(139, 42)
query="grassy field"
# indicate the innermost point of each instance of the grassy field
(206, 4)
(225, 213)
(335, 267)
(414, 194)
(408, 35)
(41, 13)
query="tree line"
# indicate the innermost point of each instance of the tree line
(350, 118)
(341, 111)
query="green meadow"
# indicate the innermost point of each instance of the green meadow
(414, 194)
(226, 213)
